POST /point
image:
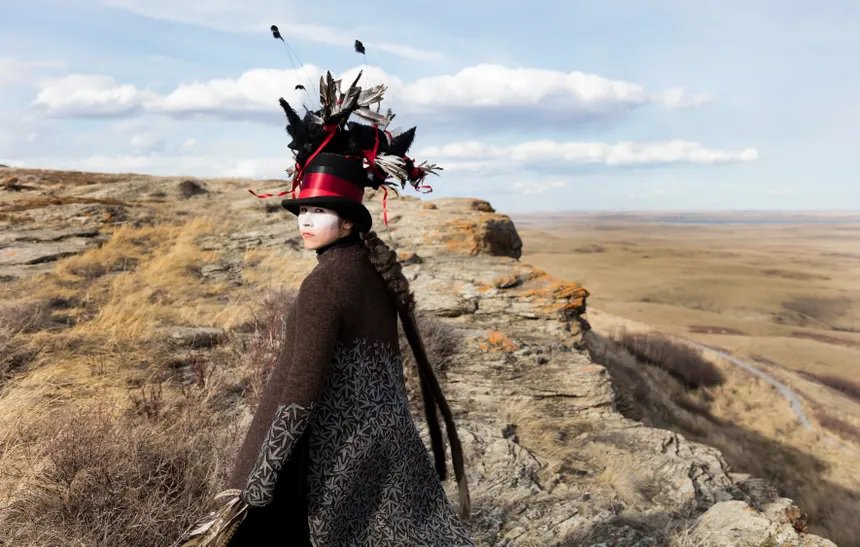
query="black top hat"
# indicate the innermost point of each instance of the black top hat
(334, 181)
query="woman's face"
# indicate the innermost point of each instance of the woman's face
(320, 226)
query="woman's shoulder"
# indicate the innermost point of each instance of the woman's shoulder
(329, 279)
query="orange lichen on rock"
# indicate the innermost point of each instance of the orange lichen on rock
(498, 341)
(562, 296)
(462, 236)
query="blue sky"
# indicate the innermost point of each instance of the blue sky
(610, 105)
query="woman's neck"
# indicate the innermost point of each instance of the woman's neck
(348, 240)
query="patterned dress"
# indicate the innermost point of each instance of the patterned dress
(332, 456)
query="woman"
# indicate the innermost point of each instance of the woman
(332, 454)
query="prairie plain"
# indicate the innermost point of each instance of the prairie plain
(784, 287)
(779, 291)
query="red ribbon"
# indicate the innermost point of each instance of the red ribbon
(385, 205)
(265, 196)
(318, 184)
(370, 155)
(300, 169)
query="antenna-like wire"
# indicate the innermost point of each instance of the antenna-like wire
(359, 48)
(301, 66)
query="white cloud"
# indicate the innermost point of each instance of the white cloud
(16, 71)
(677, 98)
(488, 85)
(253, 95)
(90, 95)
(167, 165)
(504, 92)
(255, 91)
(478, 156)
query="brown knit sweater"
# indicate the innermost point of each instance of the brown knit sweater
(332, 456)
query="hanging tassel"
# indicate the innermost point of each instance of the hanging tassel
(266, 196)
(385, 205)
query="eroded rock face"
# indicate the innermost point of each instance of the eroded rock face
(549, 459)
(732, 523)
(461, 226)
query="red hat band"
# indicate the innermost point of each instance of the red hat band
(323, 184)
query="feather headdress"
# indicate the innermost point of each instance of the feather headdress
(330, 130)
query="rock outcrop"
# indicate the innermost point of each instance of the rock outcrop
(549, 459)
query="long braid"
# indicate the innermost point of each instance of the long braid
(384, 260)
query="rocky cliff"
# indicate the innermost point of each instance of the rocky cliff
(549, 459)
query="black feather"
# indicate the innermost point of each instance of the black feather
(359, 47)
(401, 143)
(300, 86)
(276, 33)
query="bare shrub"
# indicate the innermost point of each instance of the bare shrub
(684, 363)
(440, 342)
(190, 188)
(114, 479)
(16, 321)
(840, 427)
(824, 310)
(849, 388)
(268, 330)
(149, 401)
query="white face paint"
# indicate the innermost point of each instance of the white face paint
(319, 226)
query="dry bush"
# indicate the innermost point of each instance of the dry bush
(634, 485)
(16, 320)
(190, 188)
(267, 330)
(849, 388)
(823, 310)
(440, 342)
(682, 362)
(842, 428)
(108, 478)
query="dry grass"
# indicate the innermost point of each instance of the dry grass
(77, 471)
(625, 475)
(155, 280)
(814, 309)
(682, 362)
(97, 477)
(16, 320)
(846, 387)
(267, 338)
(844, 429)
